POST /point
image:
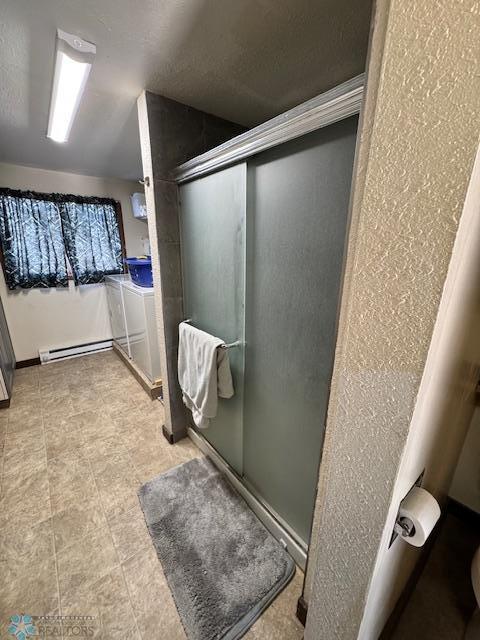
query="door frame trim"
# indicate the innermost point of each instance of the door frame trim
(341, 102)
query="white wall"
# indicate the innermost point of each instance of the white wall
(63, 317)
(443, 410)
(466, 481)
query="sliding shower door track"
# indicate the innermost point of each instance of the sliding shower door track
(295, 546)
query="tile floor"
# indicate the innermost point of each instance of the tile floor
(78, 440)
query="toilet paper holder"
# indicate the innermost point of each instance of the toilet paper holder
(403, 526)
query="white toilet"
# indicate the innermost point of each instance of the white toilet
(473, 629)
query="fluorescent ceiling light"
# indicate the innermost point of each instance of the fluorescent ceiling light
(73, 61)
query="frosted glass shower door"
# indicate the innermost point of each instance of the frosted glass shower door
(298, 196)
(212, 222)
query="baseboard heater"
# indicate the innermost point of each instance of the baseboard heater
(53, 355)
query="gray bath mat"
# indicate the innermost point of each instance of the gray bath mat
(223, 567)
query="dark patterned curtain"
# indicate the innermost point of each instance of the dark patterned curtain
(92, 239)
(38, 231)
(32, 242)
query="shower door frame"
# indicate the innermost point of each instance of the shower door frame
(339, 103)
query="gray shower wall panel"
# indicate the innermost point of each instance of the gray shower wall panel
(171, 133)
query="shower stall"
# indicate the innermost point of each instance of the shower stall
(262, 242)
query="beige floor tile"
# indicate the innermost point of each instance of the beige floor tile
(50, 369)
(96, 424)
(27, 374)
(24, 500)
(113, 374)
(23, 388)
(150, 460)
(28, 398)
(183, 451)
(127, 381)
(70, 480)
(149, 450)
(116, 403)
(24, 415)
(18, 552)
(117, 483)
(154, 413)
(111, 460)
(54, 382)
(154, 418)
(141, 431)
(3, 432)
(76, 521)
(60, 367)
(132, 634)
(85, 398)
(130, 534)
(96, 360)
(20, 422)
(101, 379)
(27, 567)
(111, 370)
(58, 384)
(108, 601)
(81, 379)
(102, 451)
(103, 437)
(24, 452)
(56, 405)
(124, 419)
(62, 434)
(120, 496)
(34, 592)
(154, 410)
(82, 564)
(142, 399)
(152, 601)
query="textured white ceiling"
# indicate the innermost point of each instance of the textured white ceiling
(244, 60)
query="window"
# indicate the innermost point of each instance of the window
(92, 240)
(38, 231)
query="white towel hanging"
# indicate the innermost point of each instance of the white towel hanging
(203, 372)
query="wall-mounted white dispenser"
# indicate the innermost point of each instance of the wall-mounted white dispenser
(139, 206)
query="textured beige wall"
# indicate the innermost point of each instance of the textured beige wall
(41, 318)
(443, 409)
(418, 141)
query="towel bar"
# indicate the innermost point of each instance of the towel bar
(229, 345)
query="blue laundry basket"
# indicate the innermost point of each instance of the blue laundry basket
(141, 271)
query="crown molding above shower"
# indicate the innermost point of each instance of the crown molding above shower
(336, 104)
